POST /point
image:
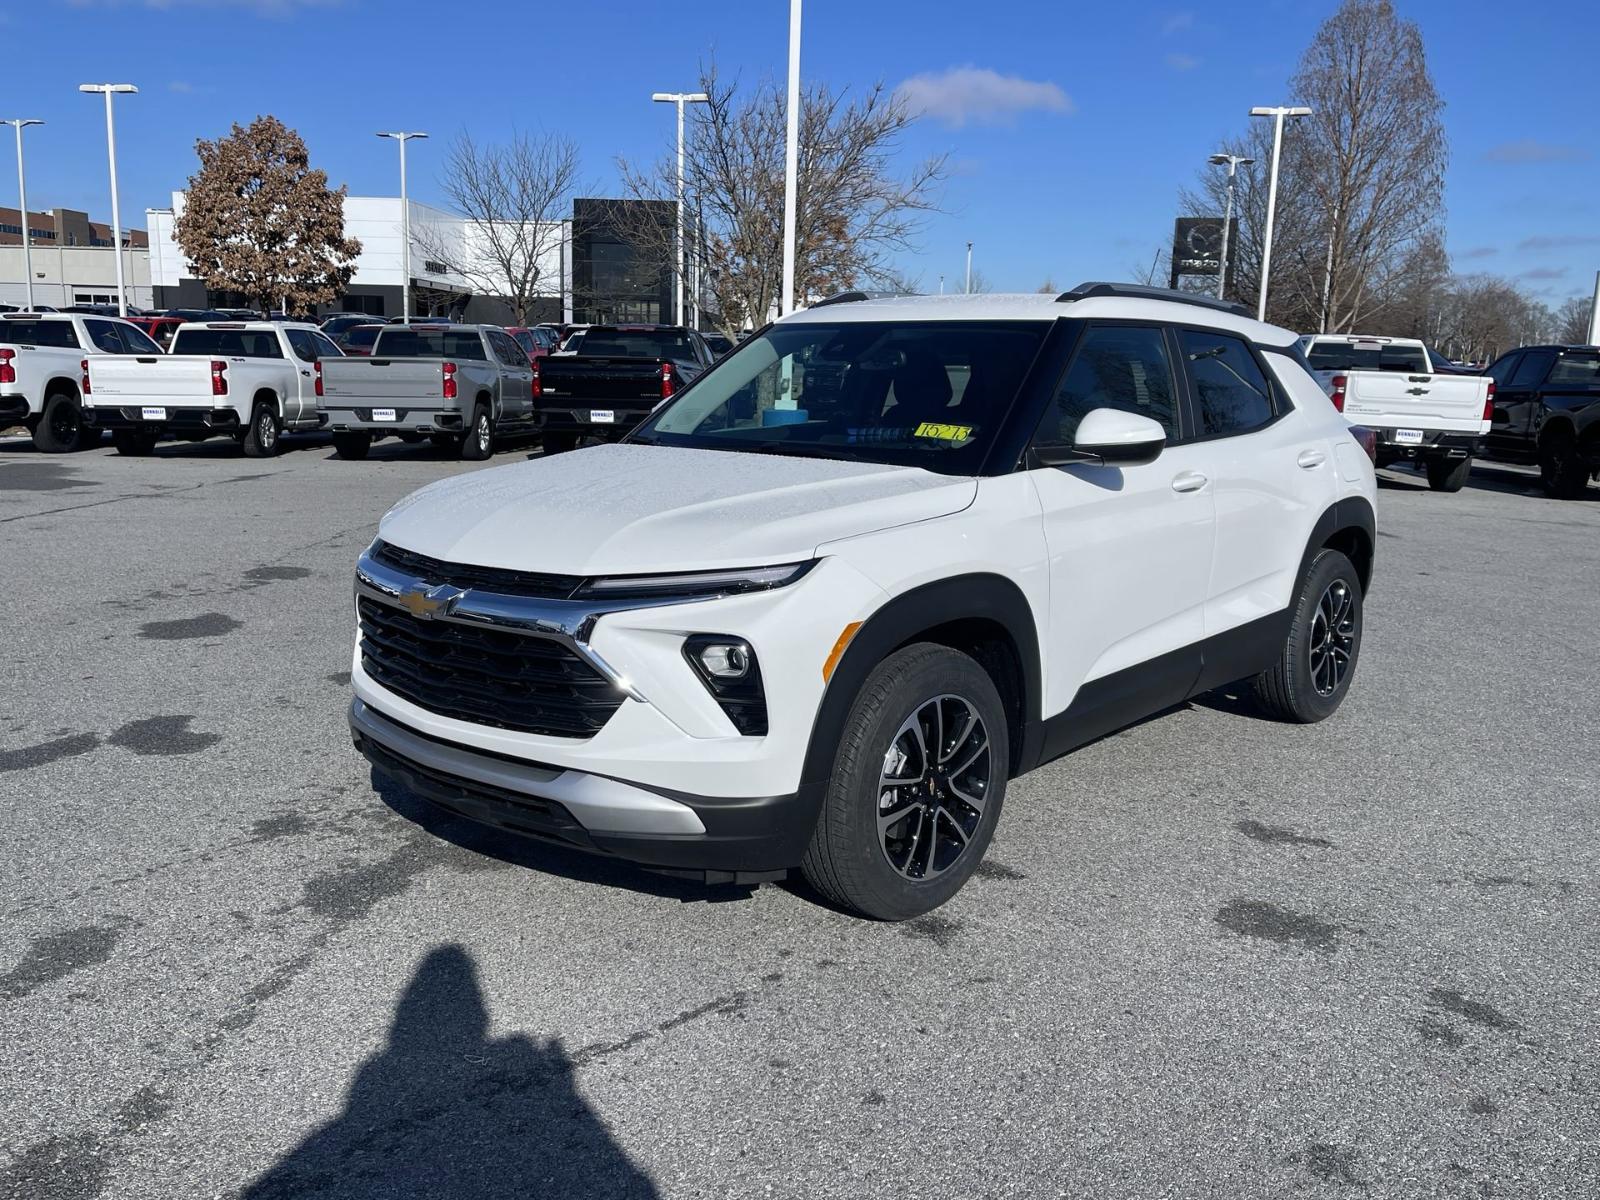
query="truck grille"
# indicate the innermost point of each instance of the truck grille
(484, 676)
(491, 579)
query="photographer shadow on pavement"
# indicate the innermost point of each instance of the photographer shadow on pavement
(446, 1110)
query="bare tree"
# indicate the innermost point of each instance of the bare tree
(514, 197)
(979, 284)
(853, 212)
(1572, 321)
(258, 220)
(1048, 287)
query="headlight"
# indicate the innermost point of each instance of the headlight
(696, 583)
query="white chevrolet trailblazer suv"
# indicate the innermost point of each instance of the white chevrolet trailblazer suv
(889, 554)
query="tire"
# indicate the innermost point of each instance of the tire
(477, 443)
(58, 429)
(890, 875)
(264, 438)
(558, 443)
(134, 442)
(1561, 469)
(1448, 474)
(353, 444)
(1313, 673)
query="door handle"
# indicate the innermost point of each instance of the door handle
(1188, 481)
(1311, 458)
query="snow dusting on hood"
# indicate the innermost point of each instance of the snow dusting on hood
(634, 509)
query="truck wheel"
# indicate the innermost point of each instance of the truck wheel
(1561, 470)
(352, 444)
(261, 440)
(1448, 475)
(135, 442)
(558, 443)
(1313, 673)
(916, 789)
(59, 427)
(477, 443)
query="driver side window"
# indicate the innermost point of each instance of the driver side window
(1124, 367)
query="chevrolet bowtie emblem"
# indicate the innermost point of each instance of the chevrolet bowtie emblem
(433, 602)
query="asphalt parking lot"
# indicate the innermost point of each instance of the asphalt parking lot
(1208, 956)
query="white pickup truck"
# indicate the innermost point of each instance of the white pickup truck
(1419, 406)
(249, 380)
(43, 357)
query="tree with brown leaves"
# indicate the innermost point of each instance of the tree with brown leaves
(258, 220)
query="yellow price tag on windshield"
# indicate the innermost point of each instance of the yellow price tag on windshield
(942, 433)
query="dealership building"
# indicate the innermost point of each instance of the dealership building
(71, 260)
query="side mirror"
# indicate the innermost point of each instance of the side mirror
(1109, 437)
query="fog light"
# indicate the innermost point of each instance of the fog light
(725, 660)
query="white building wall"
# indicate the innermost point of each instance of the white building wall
(63, 273)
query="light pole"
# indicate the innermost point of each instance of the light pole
(405, 222)
(680, 99)
(1234, 162)
(22, 203)
(111, 89)
(791, 158)
(1277, 114)
(969, 269)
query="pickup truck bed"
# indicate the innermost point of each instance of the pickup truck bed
(617, 377)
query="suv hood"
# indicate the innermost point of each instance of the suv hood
(627, 510)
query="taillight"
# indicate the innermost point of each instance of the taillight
(536, 388)
(1368, 440)
(219, 380)
(449, 389)
(668, 381)
(1488, 403)
(317, 367)
(83, 366)
(1338, 384)
(8, 373)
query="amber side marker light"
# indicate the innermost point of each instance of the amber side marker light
(838, 650)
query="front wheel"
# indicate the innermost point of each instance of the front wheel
(477, 443)
(352, 443)
(261, 440)
(1314, 669)
(1448, 475)
(1561, 468)
(917, 786)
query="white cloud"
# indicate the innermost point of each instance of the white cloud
(1182, 62)
(1177, 23)
(180, 86)
(1530, 151)
(979, 96)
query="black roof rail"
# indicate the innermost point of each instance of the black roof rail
(852, 296)
(1140, 291)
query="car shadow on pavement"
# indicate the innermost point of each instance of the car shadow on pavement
(547, 859)
(447, 1110)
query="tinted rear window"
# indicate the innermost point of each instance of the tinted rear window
(1576, 370)
(239, 343)
(431, 343)
(39, 333)
(630, 343)
(1366, 356)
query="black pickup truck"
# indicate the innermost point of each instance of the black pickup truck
(1547, 410)
(617, 375)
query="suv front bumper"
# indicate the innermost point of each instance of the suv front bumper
(716, 839)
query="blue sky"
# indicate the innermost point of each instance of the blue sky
(1070, 134)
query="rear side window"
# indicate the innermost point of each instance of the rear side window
(1576, 370)
(1501, 371)
(57, 334)
(106, 337)
(1230, 393)
(1531, 370)
(1121, 367)
(137, 341)
(300, 342)
(236, 343)
(421, 342)
(325, 346)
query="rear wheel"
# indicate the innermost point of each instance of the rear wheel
(917, 786)
(477, 443)
(1313, 672)
(1561, 469)
(262, 439)
(60, 425)
(1448, 474)
(353, 443)
(558, 443)
(135, 442)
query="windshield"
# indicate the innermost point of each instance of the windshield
(654, 344)
(420, 341)
(1367, 356)
(927, 394)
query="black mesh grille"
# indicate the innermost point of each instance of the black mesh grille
(490, 579)
(484, 676)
